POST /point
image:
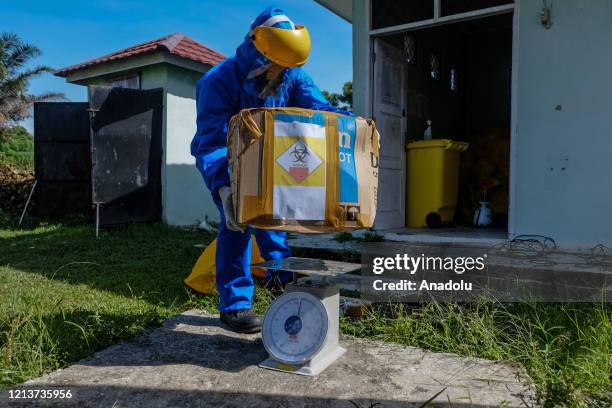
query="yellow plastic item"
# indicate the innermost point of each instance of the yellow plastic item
(432, 180)
(289, 48)
(202, 277)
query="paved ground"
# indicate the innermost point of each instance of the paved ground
(193, 362)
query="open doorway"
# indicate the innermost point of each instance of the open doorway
(458, 76)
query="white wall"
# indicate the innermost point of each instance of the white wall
(185, 196)
(564, 120)
(156, 76)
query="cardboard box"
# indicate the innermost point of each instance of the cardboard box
(301, 170)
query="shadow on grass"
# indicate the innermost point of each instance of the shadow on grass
(147, 262)
(34, 342)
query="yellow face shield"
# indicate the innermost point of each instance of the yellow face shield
(289, 48)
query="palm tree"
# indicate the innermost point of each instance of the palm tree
(346, 98)
(15, 101)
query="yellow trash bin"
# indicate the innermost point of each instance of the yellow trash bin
(432, 181)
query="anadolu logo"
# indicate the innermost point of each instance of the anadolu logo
(299, 160)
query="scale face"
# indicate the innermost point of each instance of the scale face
(295, 327)
(301, 328)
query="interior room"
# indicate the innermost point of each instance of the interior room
(458, 80)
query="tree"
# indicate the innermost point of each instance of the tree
(16, 148)
(15, 101)
(347, 94)
(344, 100)
(332, 98)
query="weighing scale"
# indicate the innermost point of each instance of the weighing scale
(301, 327)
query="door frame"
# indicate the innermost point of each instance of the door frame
(436, 21)
(402, 159)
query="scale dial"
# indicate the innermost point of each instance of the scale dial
(295, 327)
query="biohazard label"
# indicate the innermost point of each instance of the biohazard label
(299, 168)
(299, 161)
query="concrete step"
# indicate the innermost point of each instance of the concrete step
(192, 361)
(514, 270)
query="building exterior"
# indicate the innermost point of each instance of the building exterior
(559, 105)
(173, 63)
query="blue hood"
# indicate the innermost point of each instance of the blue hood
(224, 90)
(247, 56)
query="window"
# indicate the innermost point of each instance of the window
(450, 7)
(409, 48)
(391, 13)
(387, 13)
(131, 82)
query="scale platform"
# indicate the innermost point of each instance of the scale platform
(301, 328)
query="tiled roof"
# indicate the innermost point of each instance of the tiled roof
(176, 44)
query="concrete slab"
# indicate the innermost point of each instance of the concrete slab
(515, 270)
(193, 362)
(518, 255)
(454, 235)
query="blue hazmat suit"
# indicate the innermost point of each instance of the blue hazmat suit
(229, 87)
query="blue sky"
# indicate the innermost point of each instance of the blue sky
(69, 32)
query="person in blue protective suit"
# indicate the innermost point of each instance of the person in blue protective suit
(265, 72)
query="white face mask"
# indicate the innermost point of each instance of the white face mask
(274, 77)
(271, 87)
(259, 71)
(274, 71)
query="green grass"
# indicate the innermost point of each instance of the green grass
(565, 349)
(343, 236)
(368, 236)
(64, 295)
(17, 148)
